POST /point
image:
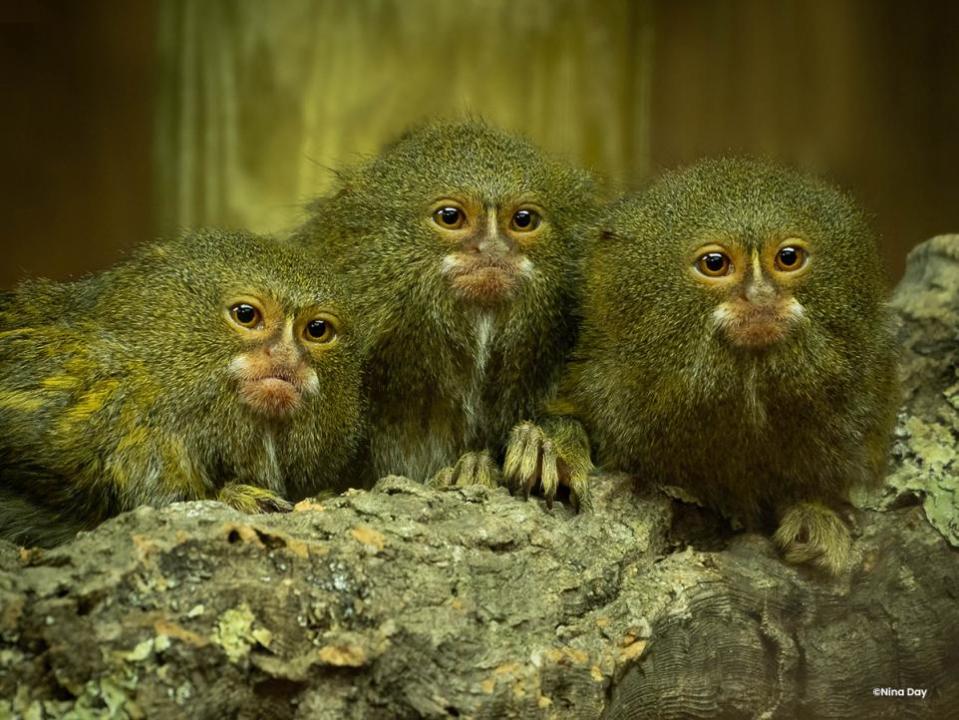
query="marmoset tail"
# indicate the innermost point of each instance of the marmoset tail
(221, 366)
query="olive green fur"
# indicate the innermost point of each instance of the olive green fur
(115, 390)
(810, 532)
(753, 433)
(37, 301)
(433, 397)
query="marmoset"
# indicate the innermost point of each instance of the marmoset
(220, 365)
(462, 243)
(735, 343)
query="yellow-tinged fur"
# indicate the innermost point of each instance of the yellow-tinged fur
(117, 390)
(21, 401)
(765, 392)
(472, 321)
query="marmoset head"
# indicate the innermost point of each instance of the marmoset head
(742, 254)
(238, 310)
(464, 210)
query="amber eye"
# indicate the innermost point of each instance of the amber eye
(449, 217)
(319, 331)
(525, 220)
(245, 315)
(790, 258)
(714, 264)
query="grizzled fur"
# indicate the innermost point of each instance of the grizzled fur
(777, 434)
(115, 390)
(449, 377)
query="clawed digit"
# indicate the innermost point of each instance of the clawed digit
(472, 468)
(251, 499)
(534, 457)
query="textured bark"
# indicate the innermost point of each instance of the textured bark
(412, 602)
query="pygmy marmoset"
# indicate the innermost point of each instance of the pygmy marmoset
(461, 243)
(220, 365)
(735, 343)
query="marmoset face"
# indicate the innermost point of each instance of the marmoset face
(487, 242)
(274, 371)
(754, 285)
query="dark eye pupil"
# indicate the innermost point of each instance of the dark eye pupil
(788, 256)
(523, 218)
(245, 314)
(715, 262)
(450, 216)
(316, 328)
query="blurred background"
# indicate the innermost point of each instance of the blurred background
(123, 120)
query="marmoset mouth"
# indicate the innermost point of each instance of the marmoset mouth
(758, 333)
(279, 372)
(483, 279)
(277, 382)
(271, 395)
(272, 389)
(757, 326)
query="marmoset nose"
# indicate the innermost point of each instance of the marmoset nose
(488, 240)
(759, 290)
(282, 350)
(494, 243)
